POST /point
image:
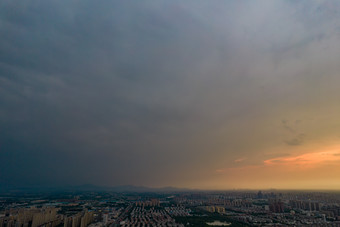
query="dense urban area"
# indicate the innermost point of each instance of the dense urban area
(195, 208)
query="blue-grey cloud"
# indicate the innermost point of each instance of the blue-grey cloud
(144, 92)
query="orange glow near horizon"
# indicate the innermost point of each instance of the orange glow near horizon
(307, 160)
(311, 167)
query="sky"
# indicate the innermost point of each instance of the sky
(195, 94)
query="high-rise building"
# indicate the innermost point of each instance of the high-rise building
(276, 206)
(68, 222)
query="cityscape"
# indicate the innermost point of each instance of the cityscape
(185, 208)
(169, 113)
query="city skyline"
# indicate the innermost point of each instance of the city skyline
(190, 94)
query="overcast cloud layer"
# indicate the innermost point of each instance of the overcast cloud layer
(158, 93)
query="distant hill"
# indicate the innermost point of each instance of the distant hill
(130, 188)
(90, 187)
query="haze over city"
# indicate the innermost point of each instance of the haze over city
(190, 94)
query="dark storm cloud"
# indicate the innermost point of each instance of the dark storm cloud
(296, 137)
(144, 92)
(296, 141)
(92, 85)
